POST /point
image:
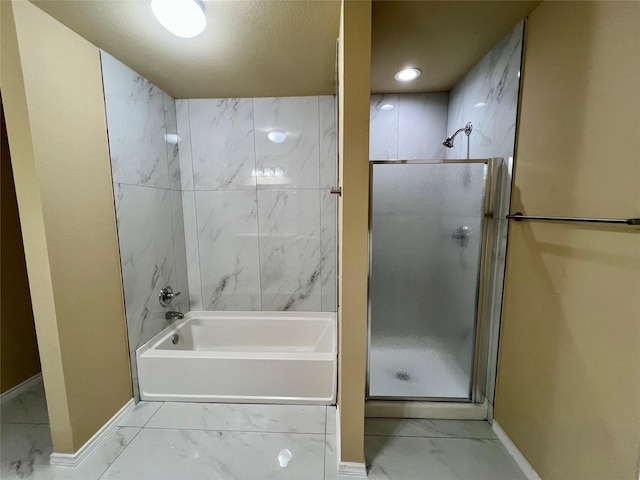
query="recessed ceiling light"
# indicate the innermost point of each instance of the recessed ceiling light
(277, 136)
(386, 106)
(172, 138)
(480, 105)
(184, 18)
(407, 74)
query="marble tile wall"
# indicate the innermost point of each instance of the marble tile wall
(412, 130)
(147, 190)
(488, 97)
(260, 224)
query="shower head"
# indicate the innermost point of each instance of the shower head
(448, 142)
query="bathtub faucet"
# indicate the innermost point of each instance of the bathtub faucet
(174, 316)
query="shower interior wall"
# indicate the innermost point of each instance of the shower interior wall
(206, 203)
(260, 220)
(415, 128)
(146, 183)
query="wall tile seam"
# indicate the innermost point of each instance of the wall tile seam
(195, 209)
(255, 166)
(147, 186)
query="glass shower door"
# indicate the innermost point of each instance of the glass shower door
(426, 241)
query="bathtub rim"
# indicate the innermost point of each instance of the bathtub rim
(149, 348)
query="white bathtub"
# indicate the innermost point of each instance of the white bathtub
(242, 357)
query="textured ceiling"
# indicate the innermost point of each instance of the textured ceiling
(261, 48)
(249, 48)
(444, 39)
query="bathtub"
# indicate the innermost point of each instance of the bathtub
(242, 357)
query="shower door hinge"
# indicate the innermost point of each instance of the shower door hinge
(336, 191)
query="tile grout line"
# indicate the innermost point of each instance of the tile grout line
(118, 456)
(195, 210)
(255, 432)
(255, 166)
(153, 415)
(321, 249)
(130, 442)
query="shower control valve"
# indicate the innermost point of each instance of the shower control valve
(166, 296)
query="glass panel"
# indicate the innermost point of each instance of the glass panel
(426, 237)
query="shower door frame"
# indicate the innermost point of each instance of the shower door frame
(480, 360)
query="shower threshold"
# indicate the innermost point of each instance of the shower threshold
(430, 410)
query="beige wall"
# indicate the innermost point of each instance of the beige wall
(568, 390)
(19, 349)
(354, 64)
(53, 100)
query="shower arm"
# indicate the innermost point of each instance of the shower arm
(467, 131)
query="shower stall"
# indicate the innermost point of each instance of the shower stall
(430, 244)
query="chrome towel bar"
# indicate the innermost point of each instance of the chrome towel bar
(518, 216)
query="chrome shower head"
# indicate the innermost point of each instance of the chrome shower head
(448, 142)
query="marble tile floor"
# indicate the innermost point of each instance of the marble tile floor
(183, 441)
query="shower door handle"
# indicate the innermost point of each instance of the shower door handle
(461, 235)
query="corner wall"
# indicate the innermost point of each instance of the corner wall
(54, 107)
(568, 389)
(354, 70)
(146, 184)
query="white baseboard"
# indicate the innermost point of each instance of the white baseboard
(20, 388)
(347, 469)
(74, 459)
(352, 470)
(515, 453)
(430, 410)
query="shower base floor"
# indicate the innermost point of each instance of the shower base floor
(417, 372)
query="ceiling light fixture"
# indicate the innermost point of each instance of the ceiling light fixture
(184, 18)
(386, 106)
(407, 74)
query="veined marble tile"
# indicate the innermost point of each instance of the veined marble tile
(147, 254)
(383, 127)
(329, 251)
(157, 454)
(246, 418)
(399, 427)
(140, 415)
(290, 262)
(184, 147)
(331, 420)
(331, 458)
(135, 119)
(192, 250)
(28, 407)
(25, 450)
(222, 143)
(228, 244)
(397, 458)
(298, 157)
(180, 303)
(422, 118)
(328, 141)
(171, 128)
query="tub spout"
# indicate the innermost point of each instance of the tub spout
(174, 316)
